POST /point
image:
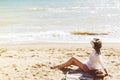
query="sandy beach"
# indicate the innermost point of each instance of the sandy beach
(32, 61)
(38, 34)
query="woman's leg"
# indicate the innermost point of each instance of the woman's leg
(72, 61)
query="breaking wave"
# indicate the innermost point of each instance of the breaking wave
(58, 36)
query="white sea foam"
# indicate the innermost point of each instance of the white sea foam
(57, 36)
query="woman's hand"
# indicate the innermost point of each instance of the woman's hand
(108, 75)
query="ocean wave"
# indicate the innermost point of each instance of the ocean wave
(37, 9)
(63, 9)
(76, 8)
(57, 36)
(44, 9)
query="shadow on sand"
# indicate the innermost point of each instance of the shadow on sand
(75, 74)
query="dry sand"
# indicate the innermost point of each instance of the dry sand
(32, 61)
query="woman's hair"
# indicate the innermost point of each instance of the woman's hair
(97, 44)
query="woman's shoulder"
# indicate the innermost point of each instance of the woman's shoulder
(96, 55)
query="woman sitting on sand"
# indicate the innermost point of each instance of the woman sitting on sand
(94, 62)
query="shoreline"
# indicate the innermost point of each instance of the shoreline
(57, 44)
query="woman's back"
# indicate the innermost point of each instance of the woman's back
(95, 61)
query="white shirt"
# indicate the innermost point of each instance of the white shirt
(95, 61)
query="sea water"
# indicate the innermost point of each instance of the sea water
(57, 20)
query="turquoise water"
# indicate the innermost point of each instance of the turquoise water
(57, 3)
(37, 3)
(54, 20)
